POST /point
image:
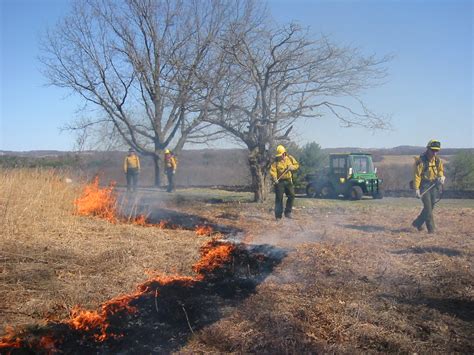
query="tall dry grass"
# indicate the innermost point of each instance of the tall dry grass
(52, 259)
(36, 213)
(39, 198)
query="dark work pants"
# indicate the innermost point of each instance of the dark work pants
(428, 199)
(132, 179)
(284, 187)
(170, 175)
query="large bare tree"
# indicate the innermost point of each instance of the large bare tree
(272, 76)
(143, 66)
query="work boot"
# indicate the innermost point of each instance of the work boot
(417, 226)
(288, 215)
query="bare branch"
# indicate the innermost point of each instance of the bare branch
(147, 65)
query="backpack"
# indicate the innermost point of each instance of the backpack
(423, 160)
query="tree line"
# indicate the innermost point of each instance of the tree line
(459, 169)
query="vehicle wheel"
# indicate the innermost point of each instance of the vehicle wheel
(356, 192)
(311, 191)
(378, 195)
(327, 191)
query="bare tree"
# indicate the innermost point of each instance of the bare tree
(270, 77)
(141, 65)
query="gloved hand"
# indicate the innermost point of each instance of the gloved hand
(417, 193)
(441, 179)
(292, 168)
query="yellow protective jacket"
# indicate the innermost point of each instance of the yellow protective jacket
(281, 169)
(131, 162)
(171, 162)
(427, 170)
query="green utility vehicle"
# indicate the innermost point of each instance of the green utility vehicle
(349, 174)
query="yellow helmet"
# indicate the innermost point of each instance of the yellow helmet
(280, 151)
(434, 145)
(167, 151)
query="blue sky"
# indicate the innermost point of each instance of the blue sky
(429, 91)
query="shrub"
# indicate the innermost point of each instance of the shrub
(460, 170)
(311, 158)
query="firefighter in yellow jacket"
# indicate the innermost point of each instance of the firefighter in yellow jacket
(131, 167)
(428, 178)
(170, 166)
(281, 172)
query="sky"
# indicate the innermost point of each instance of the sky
(428, 92)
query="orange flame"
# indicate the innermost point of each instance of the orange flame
(140, 220)
(93, 320)
(48, 343)
(99, 320)
(213, 255)
(10, 340)
(102, 202)
(204, 230)
(97, 201)
(163, 280)
(89, 320)
(163, 224)
(14, 341)
(122, 303)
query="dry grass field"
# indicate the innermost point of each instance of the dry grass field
(341, 277)
(52, 260)
(396, 170)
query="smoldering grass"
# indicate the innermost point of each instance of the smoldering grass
(52, 259)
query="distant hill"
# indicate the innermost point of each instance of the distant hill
(400, 150)
(35, 153)
(204, 167)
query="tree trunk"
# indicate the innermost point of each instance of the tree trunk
(259, 174)
(156, 163)
(260, 190)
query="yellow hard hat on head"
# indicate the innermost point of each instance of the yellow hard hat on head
(434, 145)
(280, 151)
(167, 151)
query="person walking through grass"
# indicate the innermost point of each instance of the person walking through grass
(131, 167)
(281, 173)
(428, 178)
(170, 166)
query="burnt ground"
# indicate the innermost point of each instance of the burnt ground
(342, 276)
(357, 277)
(166, 314)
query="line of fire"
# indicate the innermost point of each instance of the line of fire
(168, 308)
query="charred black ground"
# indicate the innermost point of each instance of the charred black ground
(167, 314)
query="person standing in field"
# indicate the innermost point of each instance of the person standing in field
(131, 167)
(281, 173)
(428, 178)
(170, 166)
